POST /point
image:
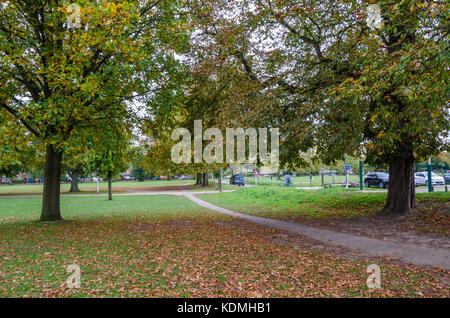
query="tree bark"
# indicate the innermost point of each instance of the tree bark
(109, 185)
(205, 179)
(198, 179)
(401, 192)
(52, 184)
(74, 182)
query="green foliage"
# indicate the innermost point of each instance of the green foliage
(64, 85)
(113, 154)
(332, 83)
(139, 174)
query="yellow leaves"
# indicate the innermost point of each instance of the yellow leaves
(380, 135)
(420, 5)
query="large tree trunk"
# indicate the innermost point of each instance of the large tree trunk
(109, 185)
(52, 177)
(401, 193)
(205, 179)
(198, 179)
(74, 182)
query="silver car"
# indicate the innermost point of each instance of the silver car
(419, 179)
(435, 178)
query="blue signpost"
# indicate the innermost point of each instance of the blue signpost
(347, 169)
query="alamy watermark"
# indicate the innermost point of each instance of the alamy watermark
(374, 279)
(74, 16)
(213, 152)
(74, 280)
(374, 19)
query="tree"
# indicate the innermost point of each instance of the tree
(441, 161)
(109, 164)
(343, 87)
(56, 80)
(388, 90)
(75, 166)
(112, 154)
(138, 172)
(208, 84)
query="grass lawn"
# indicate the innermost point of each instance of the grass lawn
(166, 246)
(118, 187)
(92, 186)
(285, 202)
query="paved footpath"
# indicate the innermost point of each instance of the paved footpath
(408, 253)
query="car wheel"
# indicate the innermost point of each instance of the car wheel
(381, 185)
(367, 184)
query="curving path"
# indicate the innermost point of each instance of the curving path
(408, 253)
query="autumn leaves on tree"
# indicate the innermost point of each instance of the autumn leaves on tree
(58, 81)
(331, 81)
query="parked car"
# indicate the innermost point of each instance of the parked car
(237, 179)
(447, 177)
(184, 178)
(380, 179)
(435, 178)
(419, 180)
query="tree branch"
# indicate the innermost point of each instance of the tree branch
(13, 112)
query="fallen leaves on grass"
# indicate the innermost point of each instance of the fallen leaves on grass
(189, 256)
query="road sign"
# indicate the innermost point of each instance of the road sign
(347, 169)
